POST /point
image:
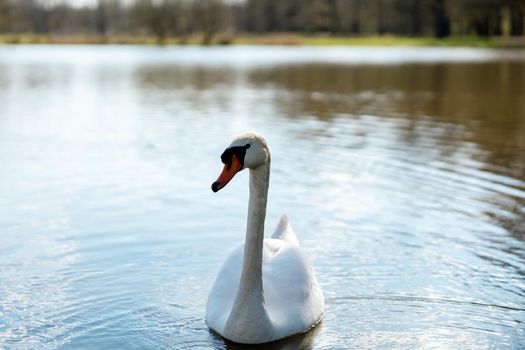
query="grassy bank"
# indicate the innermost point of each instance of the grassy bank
(268, 39)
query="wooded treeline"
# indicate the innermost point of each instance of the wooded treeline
(181, 18)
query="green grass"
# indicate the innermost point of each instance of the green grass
(468, 41)
(270, 39)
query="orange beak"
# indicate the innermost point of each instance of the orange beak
(228, 172)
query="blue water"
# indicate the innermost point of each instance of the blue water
(402, 171)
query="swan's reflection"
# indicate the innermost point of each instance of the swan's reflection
(302, 341)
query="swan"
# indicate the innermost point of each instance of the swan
(267, 289)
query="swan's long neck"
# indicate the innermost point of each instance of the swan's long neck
(249, 302)
(251, 277)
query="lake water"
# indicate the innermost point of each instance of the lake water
(402, 171)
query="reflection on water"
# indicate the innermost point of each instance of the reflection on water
(405, 183)
(486, 97)
(303, 341)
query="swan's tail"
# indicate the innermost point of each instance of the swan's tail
(285, 232)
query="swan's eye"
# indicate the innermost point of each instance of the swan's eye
(238, 151)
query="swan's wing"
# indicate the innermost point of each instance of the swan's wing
(293, 298)
(285, 232)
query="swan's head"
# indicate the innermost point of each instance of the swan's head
(246, 151)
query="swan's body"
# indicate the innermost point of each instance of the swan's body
(266, 289)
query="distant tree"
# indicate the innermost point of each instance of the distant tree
(381, 10)
(59, 20)
(517, 9)
(209, 17)
(24, 13)
(5, 16)
(415, 14)
(168, 18)
(440, 17)
(101, 17)
(348, 13)
(156, 17)
(318, 16)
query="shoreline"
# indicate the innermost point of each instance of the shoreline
(266, 39)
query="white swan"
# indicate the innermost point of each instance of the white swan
(267, 288)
